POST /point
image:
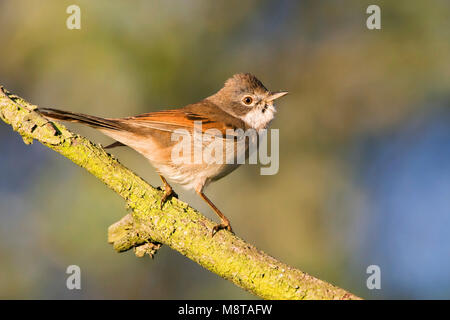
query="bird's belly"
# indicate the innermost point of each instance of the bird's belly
(193, 176)
(185, 170)
(214, 166)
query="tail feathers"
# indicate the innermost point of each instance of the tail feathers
(96, 122)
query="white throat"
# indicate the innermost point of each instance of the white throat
(257, 119)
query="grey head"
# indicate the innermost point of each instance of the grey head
(246, 98)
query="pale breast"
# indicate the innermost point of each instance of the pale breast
(214, 164)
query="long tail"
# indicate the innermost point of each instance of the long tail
(93, 121)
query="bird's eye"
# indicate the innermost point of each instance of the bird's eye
(247, 100)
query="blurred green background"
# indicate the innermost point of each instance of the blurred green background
(364, 141)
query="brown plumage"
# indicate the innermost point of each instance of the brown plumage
(243, 103)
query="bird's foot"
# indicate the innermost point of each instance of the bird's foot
(224, 225)
(168, 193)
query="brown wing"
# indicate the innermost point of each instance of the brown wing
(188, 118)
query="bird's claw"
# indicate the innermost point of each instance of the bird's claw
(221, 226)
(167, 194)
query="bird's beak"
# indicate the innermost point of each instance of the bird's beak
(275, 95)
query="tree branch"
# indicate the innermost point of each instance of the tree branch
(176, 224)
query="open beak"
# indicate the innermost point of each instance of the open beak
(275, 95)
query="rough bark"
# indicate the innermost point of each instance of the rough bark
(177, 224)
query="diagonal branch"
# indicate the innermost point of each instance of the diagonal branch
(177, 224)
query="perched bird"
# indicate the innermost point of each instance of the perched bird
(243, 103)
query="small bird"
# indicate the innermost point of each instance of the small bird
(243, 103)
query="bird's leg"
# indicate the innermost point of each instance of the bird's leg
(168, 191)
(225, 222)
